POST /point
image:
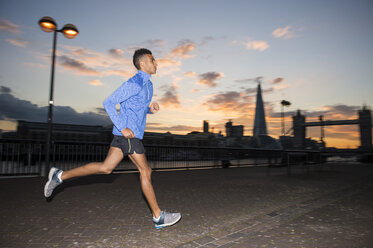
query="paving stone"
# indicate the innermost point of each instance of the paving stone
(204, 240)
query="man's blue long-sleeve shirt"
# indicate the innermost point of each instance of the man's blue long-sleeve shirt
(134, 97)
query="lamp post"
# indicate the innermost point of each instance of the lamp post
(322, 134)
(283, 103)
(48, 24)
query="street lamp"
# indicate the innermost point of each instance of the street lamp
(48, 24)
(283, 103)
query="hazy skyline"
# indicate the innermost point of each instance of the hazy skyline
(315, 54)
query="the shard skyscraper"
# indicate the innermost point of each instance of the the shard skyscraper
(260, 127)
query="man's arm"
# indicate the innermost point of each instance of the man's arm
(125, 91)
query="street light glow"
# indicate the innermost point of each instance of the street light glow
(47, 24)
(47, 27)
(70, 31)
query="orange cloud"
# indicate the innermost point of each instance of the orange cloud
(284, 33)
(190, 74)
(17, 42)
(182, 129)
(170, 97)
(183, 50)
(98, 60)
(77, 66)
(277, 80)
(259, 45)
(281, 87)
(6, 25)
(167, 62)
(231, 102)
(124, 74)
(209, 78)
(116, 52)
(96, 82)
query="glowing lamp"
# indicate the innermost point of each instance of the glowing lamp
(70, 31)
(47, 24)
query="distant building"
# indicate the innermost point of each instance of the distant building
(233, 131)
(9, 135)
(260, 126)
(191, 139)
(63, 132)
(205, 126)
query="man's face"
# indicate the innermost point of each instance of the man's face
(148, 64)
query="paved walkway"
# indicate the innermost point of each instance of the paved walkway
(331, 206)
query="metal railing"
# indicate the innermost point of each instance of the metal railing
(27, 157)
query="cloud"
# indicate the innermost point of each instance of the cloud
(247, 80)
(13, 108)
(17, 42)
(167, 62)
(8, 26)
(206, 39)
(269, 90)
(116, 52)
(226, 97)
(124, 74)
(231, 102)
(170, 97)
(209, 78)
(80, 52)
(342, 109)
(155, 43)
(190, 74)
(277, 80)
(259, 45)
(167, 66)
(284, 33)
(250, 80)
(96, 82)
(35, 65)
(114, 59)
(183, 50)
(77, 66)
(251, 90)
(176, 128)
(281, 86)
(4, 89)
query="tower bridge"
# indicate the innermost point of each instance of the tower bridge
(364, 121)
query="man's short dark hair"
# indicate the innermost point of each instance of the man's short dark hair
(137, 56)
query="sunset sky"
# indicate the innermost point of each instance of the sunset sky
(315, 54)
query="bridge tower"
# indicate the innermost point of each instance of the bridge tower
(299, 130)
(365, 123)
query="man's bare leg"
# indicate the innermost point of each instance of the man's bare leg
(57, 176)
(113, 158)
(146, 184)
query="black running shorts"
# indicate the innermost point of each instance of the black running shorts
(128, 145)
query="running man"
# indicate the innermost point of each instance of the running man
(134, 97)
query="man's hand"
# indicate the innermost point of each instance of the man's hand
(127, 133)
(154, 107)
